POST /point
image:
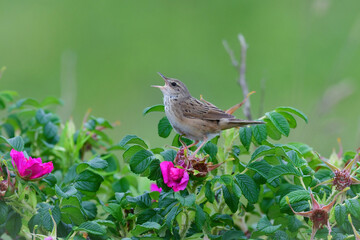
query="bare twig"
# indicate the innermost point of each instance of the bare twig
(242, 80)
(2, 71)
(231, 54)
(241, 68)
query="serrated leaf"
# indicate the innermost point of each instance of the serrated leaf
(3, 212)
(248, 187)
(141, 161)
(265, 226)
(280, 170)
(17, 143)
(50, 130)
(210, 195)
(132, 139)
(293, 111)
(271, 130)
(259, 132)
(92, 227)
(261, 151)
(51, 101)
(145, 227)
(262, 167)
(155, 108)
(98, 163)
(155, 171)
(187, 201)
(291, 120)
(131, 151)
(200, 217)
(340, 214)
(230, 198)
(168, 155)
(88, 181)
(294, 197)
(245, 134)
(171, 216)
(164, 127)
(66, 192)
(279, 122)
(353, 207)
(295, 159)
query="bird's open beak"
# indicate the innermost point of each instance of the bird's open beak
(165, 79)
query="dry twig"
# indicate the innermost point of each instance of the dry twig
(241, 68)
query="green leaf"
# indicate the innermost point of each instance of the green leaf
(291, 120)
(272, 130)
(265, 226)
(70, 211)
(294, 197)
(340, 214)
(131, 151)
(248, 187)
(66, 192)
(200, 217)
(210, 195)
(132, 139)
(211, 149)
(233, 235)
(141, 161)
(164, 127)
(279, 122)
(44, 213)
(187, 201)
(51, 101)
(50, 130)
(230, 198)
(262, 167)
(171, 216)
(42, 117)
(27, 102)
(280, 170)
(145, 227)
(115, 210)
(155, 108)
(88, 181)
(259, 132)
(245, 137)
(293, 111)
(142, 201)
(295, 159)
(91, 227)
(168, 155)
(17, 143)
(122, 185)
(3, 212)
(353, 207)
(155, 171)
(261, 151)
(98, 163)
(13, 224)
(90, 209)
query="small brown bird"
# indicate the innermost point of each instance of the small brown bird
(192, 118)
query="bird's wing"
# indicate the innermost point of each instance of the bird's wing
(193, 108)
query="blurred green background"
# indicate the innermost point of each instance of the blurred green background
(104, 55)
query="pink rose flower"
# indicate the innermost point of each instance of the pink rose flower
(176, 178)
(155, 188)
(31, 168)
(48, 238)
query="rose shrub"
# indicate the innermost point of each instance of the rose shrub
(59, 181)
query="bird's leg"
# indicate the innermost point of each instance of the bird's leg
(198, 149)
(187, 146)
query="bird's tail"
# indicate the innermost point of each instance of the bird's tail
(234, 122)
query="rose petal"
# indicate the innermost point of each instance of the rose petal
(183, 183)
(18, 161)
(165, 169)
(39, 170)
(155, 188)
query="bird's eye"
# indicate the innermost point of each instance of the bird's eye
(174, 84)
